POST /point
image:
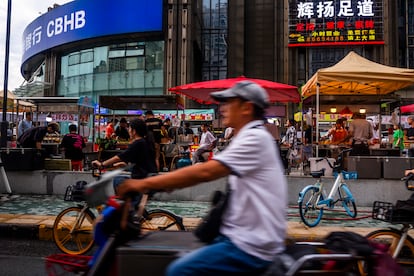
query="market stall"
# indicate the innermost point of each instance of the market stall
(278, 93)
(111, 107)
(61, 110)
(355, 76)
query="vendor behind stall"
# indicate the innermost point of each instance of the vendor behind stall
(33, 137)
(337, 133)
(361, 132)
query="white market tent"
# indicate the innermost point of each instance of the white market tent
(356, 75)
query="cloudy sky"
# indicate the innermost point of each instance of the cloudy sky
(23, 12)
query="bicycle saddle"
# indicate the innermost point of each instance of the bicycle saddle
(318, 174)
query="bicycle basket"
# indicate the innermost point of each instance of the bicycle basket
(347, 175)
(386, 211)
(75, 192)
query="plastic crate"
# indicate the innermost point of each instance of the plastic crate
(347, 175)
(387, 212)
(59, 264)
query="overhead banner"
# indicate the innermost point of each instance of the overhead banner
(335, 23)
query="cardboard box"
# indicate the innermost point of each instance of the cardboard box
(58, 164)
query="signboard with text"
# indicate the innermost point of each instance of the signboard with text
(64, 117)
(335, 23)
(84, 19)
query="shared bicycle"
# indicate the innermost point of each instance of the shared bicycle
(73, 227)
(313, 199)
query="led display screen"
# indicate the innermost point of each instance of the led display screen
(336, 22)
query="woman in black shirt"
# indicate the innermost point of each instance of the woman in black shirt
(140, 152)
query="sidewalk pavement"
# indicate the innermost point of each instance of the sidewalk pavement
(32, 216)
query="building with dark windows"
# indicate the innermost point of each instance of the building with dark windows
(78, 50)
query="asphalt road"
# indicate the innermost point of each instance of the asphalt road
(24, 257)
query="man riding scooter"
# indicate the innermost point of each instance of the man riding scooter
(254, 224)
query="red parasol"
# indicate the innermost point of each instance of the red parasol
(407, 108)
(200, 91)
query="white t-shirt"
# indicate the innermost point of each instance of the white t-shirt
(255, 219)
(229, 131)
(207, 139)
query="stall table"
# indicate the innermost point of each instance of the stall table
(51, 148)
(385, 152)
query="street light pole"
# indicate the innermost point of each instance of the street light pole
(4, 123)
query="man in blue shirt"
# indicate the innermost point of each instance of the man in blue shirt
(25, 124)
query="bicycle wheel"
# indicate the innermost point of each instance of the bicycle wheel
(309, 212)
(348, 201)
(73, 230)
(391, 237)
(161, 220)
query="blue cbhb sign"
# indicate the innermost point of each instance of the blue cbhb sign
(85, 19)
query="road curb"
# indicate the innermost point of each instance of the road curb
(296, 231)
(19, 231)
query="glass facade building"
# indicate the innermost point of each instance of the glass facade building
(133, 68)
(214, 39)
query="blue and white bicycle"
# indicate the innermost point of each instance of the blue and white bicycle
(313, 200)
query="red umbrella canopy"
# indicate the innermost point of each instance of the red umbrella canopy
(200, 91)
(407, 108)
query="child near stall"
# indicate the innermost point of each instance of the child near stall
(398, 137)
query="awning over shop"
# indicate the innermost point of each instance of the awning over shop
(52, 104)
